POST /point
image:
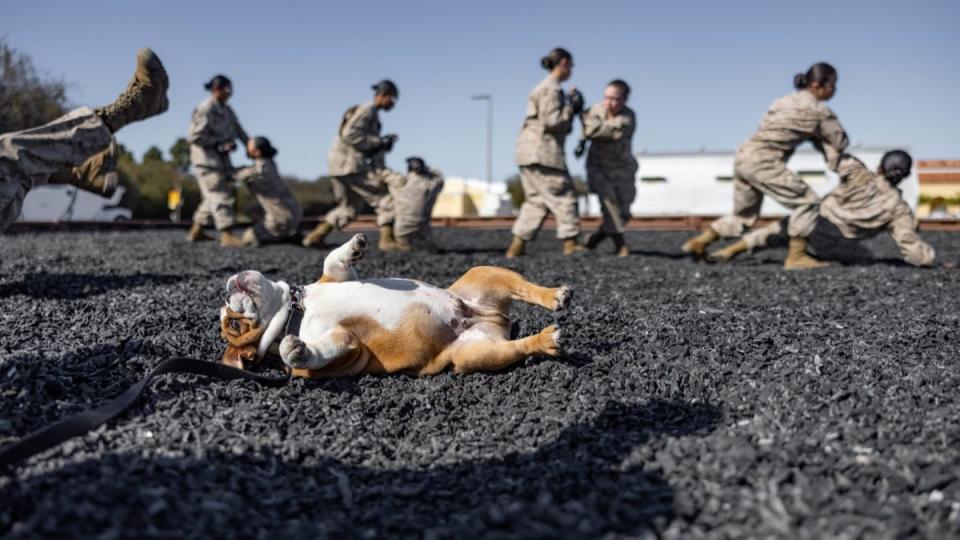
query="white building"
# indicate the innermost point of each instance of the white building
(701, 183)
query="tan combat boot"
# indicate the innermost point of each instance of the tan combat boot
(196, 234)
(402, 244)
(797, 258)
(516, 248)
(386, 242)
(621, 244)
(697, 246)
(96, 175)
(571, 246)
(317, 235)
(728, 253)
(595, 239)
(229, 239)
(145, 95)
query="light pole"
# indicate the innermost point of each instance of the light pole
(489, 99)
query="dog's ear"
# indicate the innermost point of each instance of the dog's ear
(236, 356)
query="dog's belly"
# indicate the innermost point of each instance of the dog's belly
(390, 303)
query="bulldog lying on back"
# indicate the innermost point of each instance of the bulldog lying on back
(341, 325)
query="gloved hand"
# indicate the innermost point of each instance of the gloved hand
(576, 101)
(581, 148)
(226, 147)
(386, 142)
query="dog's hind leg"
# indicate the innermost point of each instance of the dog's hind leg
(495, 354)
(338, 266)
(497, 287)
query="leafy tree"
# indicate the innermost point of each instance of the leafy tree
(516, 190)
(153, 154)
(180, 153)
(27, 99)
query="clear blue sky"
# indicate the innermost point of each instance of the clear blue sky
(702, 72)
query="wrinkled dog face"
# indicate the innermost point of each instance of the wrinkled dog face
(242, 318)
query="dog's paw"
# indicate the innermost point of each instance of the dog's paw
(550, 341)
(563, 297)
(357, 244)
(293, 351)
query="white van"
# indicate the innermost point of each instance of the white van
(60, 202)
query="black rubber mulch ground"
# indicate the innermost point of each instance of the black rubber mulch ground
(694, 401)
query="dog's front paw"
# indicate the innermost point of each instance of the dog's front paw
(550, 341)
(563, 297)
(357, 244)
(293, 351)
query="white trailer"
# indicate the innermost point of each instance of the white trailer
(701, 183)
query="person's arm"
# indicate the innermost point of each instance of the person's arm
(357, 133)
(915, 251)
(238, 129)
(834, 139)
(600, 128)
(555, 114)
(245, 174)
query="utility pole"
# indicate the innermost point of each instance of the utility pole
(489, 99)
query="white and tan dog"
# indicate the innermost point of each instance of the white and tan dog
(351, 326)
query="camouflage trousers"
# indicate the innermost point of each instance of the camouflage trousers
(616, 194)
(756, 176)
(353, 190)
(547, 190)
(827, 241)
(218, 199)
(28, 158)
(278, 213)
(414, 204)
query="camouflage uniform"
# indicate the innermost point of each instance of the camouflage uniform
(214, 124)
(28, 158)
(282, 212)
(543, 169)
(611, 166)
(863, 205)
(761, 163)
(357, 168)
(414, 196)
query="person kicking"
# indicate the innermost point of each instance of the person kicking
(78, 148)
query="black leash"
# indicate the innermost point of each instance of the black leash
(81, 423)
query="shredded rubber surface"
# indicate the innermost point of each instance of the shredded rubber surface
(693, 401)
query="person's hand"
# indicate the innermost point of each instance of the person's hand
(227, 147)
(576, 100)
(581, 148)
(387, 141)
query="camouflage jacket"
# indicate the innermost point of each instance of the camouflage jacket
(792, 120)
(610, 141)
(357, 146)
(548, 120)
(213, 124)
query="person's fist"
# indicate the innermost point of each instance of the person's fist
(576, 100)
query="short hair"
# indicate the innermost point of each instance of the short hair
(621, 85)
